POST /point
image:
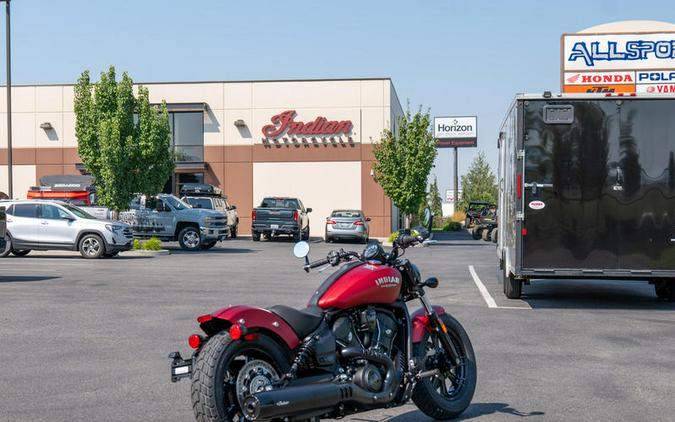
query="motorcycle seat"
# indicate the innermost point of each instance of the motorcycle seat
(302, 321)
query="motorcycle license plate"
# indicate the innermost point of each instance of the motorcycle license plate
(274, 226)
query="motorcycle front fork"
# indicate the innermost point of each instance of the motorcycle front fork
(441, 332)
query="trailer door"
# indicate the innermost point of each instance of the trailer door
(568, 220)
(642, 172)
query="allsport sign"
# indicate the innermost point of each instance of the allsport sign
(609, 63)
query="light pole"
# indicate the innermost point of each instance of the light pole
(10, 189)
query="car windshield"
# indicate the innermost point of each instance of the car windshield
(280, 203)
(200, 203)
(78, 212)
(346, 214)
(176, 203)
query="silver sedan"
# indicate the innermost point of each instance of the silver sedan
(347, 225)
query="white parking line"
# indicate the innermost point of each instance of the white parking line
(486, 294)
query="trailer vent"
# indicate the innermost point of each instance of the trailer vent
(559, 114)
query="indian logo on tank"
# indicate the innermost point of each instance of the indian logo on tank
(537, 205)
(388, 281)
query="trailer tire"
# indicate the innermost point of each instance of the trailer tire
(513, 287)
(485, 235)
(494, 235)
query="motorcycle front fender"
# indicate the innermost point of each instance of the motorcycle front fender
(420, 322)
(252, 318)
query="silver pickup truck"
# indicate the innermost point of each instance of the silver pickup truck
(168, 218)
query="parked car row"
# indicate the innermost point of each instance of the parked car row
(197, 221)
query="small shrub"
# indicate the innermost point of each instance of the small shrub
(452, 226)
(152, 244)
(137, 244)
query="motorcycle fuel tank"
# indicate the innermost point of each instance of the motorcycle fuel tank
(370, 283)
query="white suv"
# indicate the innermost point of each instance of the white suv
(45, 225)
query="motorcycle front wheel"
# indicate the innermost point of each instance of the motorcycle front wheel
(227, 371)
(447, 394)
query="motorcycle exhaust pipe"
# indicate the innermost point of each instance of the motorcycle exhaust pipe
(301, 399)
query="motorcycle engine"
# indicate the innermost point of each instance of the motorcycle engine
(370, 329)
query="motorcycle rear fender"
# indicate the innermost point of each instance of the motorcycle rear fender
(253, 318)
(420, 322)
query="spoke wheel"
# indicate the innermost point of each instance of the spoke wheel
(227, 372)
(447, 394)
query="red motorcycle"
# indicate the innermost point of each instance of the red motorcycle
(355, 347)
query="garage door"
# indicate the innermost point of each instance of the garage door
(322, 186)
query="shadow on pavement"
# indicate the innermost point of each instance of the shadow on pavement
(176, 250)
(25, 278)
(593, 294)
(475, 410)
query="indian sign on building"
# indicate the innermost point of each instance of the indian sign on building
(621, 57)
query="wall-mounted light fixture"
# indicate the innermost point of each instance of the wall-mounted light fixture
(46, 126)
(239, 123)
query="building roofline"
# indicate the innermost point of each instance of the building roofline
(224, 81)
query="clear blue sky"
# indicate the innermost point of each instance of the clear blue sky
(456, 57)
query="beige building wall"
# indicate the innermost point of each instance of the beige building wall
(322, 186)
(235, 157)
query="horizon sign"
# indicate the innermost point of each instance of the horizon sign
(614, 63)
(456, 132)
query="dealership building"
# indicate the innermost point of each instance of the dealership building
(312, 139)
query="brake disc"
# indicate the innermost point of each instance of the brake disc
(254, 377)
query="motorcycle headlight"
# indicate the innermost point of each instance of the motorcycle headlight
(115, 228)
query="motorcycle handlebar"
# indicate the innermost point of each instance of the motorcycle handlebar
(315, 264)
(406, 240)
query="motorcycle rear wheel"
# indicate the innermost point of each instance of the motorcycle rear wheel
(448, 394)
(216, 369)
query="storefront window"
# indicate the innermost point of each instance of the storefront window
(183, 178)
(187, 130)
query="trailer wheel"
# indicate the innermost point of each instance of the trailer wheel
(513, 287)
(485, 234)
(494, 234)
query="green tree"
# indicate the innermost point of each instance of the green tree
(479, 184)
(123, 141)
(435, 201)
(404, 161)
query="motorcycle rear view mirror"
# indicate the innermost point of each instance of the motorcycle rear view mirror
(301, 249)
(428, 221)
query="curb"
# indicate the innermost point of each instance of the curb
(139, 252)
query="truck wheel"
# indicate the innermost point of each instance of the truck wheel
(255, 236)
(485, 235)
(189, 238)
(305, 235)
(475, 233)
(91, 246)
(494, 234)
(512, 287)
(297, 236)
(233, 232)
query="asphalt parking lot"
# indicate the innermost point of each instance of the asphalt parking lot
(88, 340)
